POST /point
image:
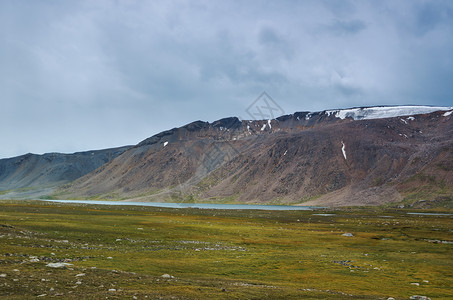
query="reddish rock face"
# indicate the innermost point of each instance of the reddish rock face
(318, 157)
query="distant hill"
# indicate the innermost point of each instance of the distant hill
(51, 169)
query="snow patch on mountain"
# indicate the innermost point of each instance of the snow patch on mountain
(380, 112)
(343, 149)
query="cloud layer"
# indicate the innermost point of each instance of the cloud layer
(79, 75)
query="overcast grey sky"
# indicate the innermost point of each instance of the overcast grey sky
(80, 75)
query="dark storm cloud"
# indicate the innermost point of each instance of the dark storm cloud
(430, 15)
(78, 75)
(342, 27)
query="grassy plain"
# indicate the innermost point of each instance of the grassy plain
(120, 252)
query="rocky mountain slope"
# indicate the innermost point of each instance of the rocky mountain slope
(359, 156)
(51, 169)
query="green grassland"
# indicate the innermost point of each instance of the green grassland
(119, 252)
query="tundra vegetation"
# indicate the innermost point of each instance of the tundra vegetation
(92, 251)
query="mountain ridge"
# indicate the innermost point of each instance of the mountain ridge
(305, 118)
(207, 161)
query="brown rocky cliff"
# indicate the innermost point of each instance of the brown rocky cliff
(290, 159)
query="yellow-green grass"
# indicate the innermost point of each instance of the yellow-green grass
(216, 254)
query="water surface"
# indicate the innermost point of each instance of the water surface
(191, 205)
(428, 214)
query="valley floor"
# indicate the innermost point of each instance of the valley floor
(91, 251)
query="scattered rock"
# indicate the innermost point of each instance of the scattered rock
(390, 298)
(80, 275)
(42, 295)
(167, 276)
(2, 275)
(346, 263)
(112, 290)
(58, 265)
(33, 259)
(347, 234)
(415, 283)
(109, 257)
(439, 241)
(418, 297)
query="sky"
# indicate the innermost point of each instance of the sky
(83, 75)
